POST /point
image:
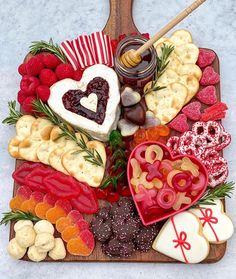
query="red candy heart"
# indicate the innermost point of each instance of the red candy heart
(209, 76)
(205, 57)
(159, 215)
(207, 95)
(179, 123)
(192, 111)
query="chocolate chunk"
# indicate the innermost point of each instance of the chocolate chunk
(135, 114)
(123, 208)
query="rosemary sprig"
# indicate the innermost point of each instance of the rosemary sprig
(219, 192)
(92, 155)
(38, 46)
(112, 180)
(14, 114)
(18, 215)
(162, 63)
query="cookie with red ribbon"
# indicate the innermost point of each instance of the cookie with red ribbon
(181, 238)
(217, 225)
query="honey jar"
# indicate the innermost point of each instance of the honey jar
(141, 74)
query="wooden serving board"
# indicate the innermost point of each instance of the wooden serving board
(120, 21)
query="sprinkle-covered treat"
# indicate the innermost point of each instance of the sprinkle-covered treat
(116, 248)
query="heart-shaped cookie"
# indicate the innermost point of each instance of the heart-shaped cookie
(217, 226)
(151, 180)
(181, 238)
(76, 102)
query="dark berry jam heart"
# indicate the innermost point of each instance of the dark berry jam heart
(100, 87)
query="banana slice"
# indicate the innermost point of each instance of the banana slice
(190, 69)
(166, 103)
(192, 84)
(181, 37)
(76, 165)
(187, 53)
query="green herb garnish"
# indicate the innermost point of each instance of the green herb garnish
(14, 115)
(39, 46)
(18, 215)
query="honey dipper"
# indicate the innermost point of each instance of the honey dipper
(133, 57)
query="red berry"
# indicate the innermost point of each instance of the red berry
(64, 71)
(50, 60)
(29, 84)
(22, 69)
(113, 197)
(27, 104)
(34, 66)
(78, 75)
(114, 44)
(43, 92)
(47, 77)
(146, 35)
(101, 193)
(125, 191)
(21, 96)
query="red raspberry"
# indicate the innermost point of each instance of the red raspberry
(114, 44)
(34, 66)
(47, 77)
(22, 69)
(146, 35)
(21, 96)
(50, 61)
(64, 71)
(43, 92)
(78, 75)
(27, 104)
(29, 84)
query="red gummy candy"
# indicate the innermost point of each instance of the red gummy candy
(220, 106)
(22, 171)
(192, 110)
(215, 112)
(88, 239)
(179, 123)
(209, 76)
(37, 196)
(62, 185)
(153, 171)
(207, 95)
(205, 57)
(75, 216)
(86, 202)
(82, 225)
(64, 204)
(49, 199)
(24, 192)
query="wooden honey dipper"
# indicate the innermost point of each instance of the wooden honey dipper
(133, 57)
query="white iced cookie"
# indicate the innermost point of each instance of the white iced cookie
(36, 256)
(22, 223)
(15, 250)
(59, 251)
(44, 242)
(181, 238)
(217, 226)
(25, 236)
(44, 226)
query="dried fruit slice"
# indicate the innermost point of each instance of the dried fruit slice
(73, 231)
(209, 76)
(192, 111)
(207, 95)
(23, 193)
(61, 209)
(30, 204)
(179, 123)
(205, 57)
(42, 207)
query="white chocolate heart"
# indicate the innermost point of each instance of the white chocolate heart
(217, 226)
(127, 128)
(90, 102)
(181, 238)
(129, 97)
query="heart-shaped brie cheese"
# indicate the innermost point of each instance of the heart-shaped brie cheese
(217, 226)
(181, 238)
(111, 103)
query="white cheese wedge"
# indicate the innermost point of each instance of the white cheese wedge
(100, 132)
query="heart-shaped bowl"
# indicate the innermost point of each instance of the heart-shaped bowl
(159, 214)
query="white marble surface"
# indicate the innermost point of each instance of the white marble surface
(22, 21)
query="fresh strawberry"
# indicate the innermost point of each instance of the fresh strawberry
(64, 71)
(179, 123)
(27, 104)
(209, 76)
(34, 66)
(47, 77)
(29, 84)
(21, 96)
(43, 92)
(22, 69)
(78, 75)
(50, 60)
(207, 95)
(205, 57)
(192, 111)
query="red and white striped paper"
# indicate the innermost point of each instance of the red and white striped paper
(88, 50)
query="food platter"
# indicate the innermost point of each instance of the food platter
(121, 22)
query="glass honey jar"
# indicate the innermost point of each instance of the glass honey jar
(141, 74)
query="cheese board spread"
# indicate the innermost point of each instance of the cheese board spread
(117, 162)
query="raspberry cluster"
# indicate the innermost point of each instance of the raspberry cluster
(39, 73)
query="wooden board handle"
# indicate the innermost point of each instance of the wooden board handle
(170, 25)
(120, 20)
